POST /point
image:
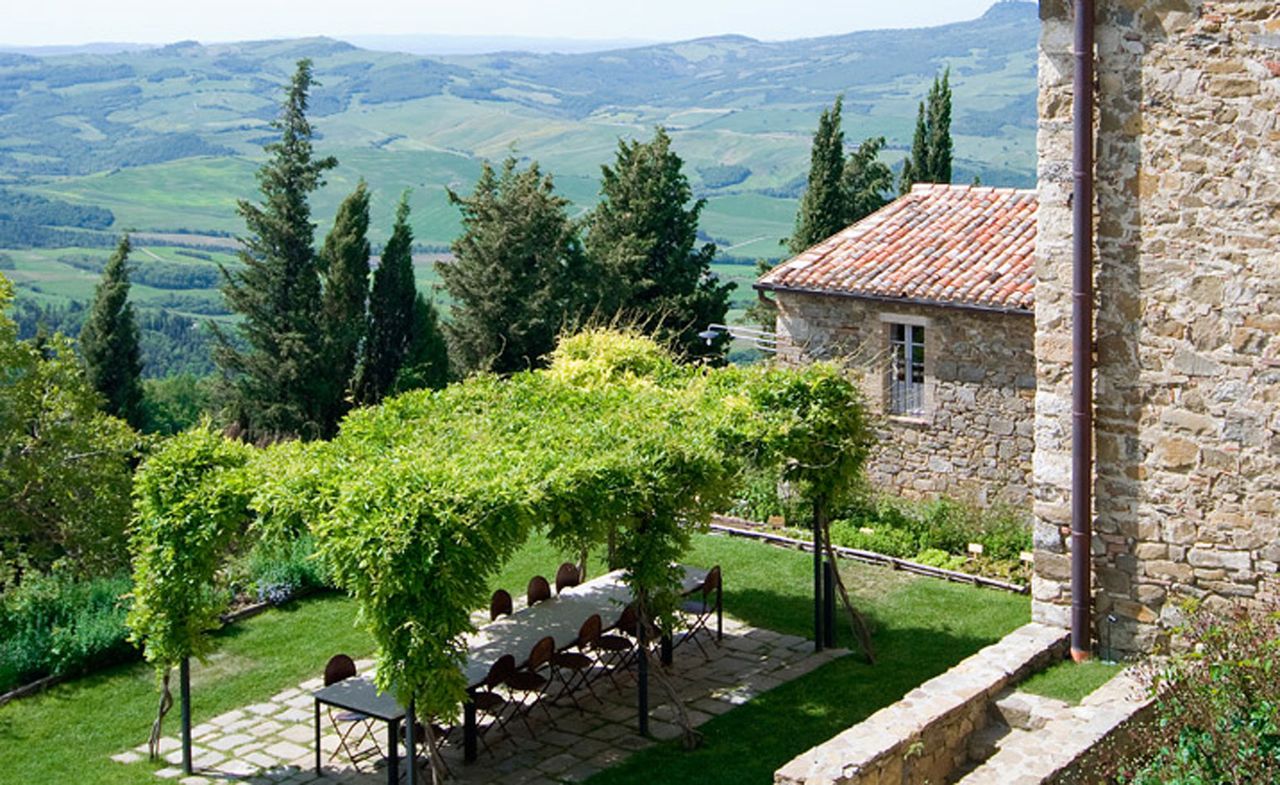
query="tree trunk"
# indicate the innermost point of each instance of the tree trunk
(690, 737)
(157, 727)
(861, 632)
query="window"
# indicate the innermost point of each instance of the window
(906, 370)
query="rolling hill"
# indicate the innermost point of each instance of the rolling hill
(167, 138)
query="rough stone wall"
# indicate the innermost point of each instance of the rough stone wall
(974, 440)
(1187, 409)
(924, 737)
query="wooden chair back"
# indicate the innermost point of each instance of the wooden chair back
(499, 604)
(538, 590)
(339, 667)
(567, 575)
(541, 653)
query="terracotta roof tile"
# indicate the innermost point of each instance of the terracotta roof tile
(946, 244)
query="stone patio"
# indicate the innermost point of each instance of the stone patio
(272, 742)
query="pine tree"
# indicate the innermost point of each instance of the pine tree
(931, 146)
(426, 363)
(109, 342)
(822, 208)
(391, 304)
(518, 276)
(275, 375)
(344, 264)
(866, 180)
(643, 235)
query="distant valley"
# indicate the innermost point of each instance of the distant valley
(166, 139)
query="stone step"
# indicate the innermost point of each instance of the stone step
(1025, 711)
(984, 743)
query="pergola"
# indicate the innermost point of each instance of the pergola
(418, 502)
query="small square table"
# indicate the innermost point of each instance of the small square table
(360, 695)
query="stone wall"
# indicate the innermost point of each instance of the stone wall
(974, 440)
(1188, 311)
(925, 736)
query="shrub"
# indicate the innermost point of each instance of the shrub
(54, 625)
(1217, 717)
(275, 573)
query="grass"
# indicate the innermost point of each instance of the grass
(1071, 681)
(923, 627)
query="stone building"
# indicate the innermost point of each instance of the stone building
(1187, 282)
(932, 298)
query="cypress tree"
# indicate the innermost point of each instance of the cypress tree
(643, 235)
(518, 276)
(109, 342)
(865, 181)
(822, 208)
(276, 374)
(940, 129)
(344, 262)
(391, 304)
(916, 168)
(931, 146)
(426, 363)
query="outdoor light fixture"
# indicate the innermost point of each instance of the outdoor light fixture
(763, 340)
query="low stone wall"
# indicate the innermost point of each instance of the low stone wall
(924, 737)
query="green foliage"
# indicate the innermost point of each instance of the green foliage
(277, 572)
(277, 382)
(931, 145)
(1217, 712)
(822, 208)
(65, 467)
(426, 363)
(109, 342)
(344, 264)
(175, 403)
(391, 313)
(841, 190)
(190, 502)
(55, 624)
(22, 208)
(518, 277)
(643, 237)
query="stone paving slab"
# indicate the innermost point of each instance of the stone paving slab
(270, 743)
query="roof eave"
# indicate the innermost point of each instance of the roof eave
(764, 286)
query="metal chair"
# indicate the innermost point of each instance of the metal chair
(618, 649)
(352, 727)
(530, 684)
(538, 590)
(566, 576)
(701, 608)
(578, 663)
(489, 701)
(499, 604)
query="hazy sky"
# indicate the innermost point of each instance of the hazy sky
(158, 21)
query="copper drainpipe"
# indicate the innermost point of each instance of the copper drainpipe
(1082, 334)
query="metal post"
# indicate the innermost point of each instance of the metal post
(819, 638)
(642, 688)
(411, 745)
(393, 752)
(469, 732)
(1082, 335)
(184, 688)
(720, 609)
(317, 737)
(829, 604)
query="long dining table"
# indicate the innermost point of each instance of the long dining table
(560, 617)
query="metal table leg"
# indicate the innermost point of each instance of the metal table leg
(393, 753)
(317, 736)
(469, 732)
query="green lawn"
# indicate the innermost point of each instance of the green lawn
(1071, 681)
(923, 626)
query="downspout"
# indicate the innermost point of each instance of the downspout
(1082, 335)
